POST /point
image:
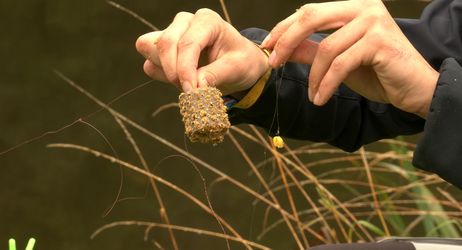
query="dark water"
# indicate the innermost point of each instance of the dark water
(60, 196)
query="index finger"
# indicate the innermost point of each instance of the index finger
(312, 18)
(202, 33)
(146, 46)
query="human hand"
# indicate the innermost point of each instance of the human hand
(233, 63)
(368, 52)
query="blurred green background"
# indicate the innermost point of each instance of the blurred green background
(59, 196)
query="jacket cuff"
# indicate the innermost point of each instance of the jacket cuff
(440, 149)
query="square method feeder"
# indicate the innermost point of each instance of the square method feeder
(204, 115)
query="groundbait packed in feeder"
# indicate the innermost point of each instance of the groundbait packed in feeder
(204, 115)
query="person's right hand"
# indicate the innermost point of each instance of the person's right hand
(368, 52)
(233, 64)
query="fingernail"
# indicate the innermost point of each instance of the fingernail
(317, 99)
(203, 81)
(272, 58)
(187, 87)
(265, 41)
(310, 94)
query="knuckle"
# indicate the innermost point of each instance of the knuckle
(369, 3)
(393, 49)
(183, 14)
(338, 64)
(285, 45)
(325, 46)
(164, 43)
(309, 12)
(172, 77)
(185, 43)
(206, 12)
(375, 37)
(183, 73)
(279, 27)
(375, 15)
(281, 47)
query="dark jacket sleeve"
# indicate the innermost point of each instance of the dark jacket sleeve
(440, 149)
(348, 120)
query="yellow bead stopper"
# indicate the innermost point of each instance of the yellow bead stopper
(278, 142)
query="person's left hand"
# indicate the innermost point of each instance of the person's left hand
(368, 52)
(232, 62)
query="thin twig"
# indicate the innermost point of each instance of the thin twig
(178, 228)
(279, 164)
(173, 146)
(164, 107)
(225, 11)
(150, 175)
(163, 211)
(265, 185)
(133, 14)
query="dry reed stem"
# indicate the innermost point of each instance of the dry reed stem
(398, 190)
(264, 143)
(225, 11)
(178, 228)
(332, 197)
(415, 212)
(215, 182)
(418, 213)
(59, 130)
(249, 136)
(309, 200)
(265, 185)
(280, 188)
(150, 175)
(342, 228)
(377, 156)
(133, 14)
(313, 205)
(412, 225)
(376, 169)
(163, 108)
(163, 212)
(280, 164)
(450, 198)
(322, 177)
(158, 245)
(367, 204)
(402, 212)
(206, 195)
(398, 142)
(173, 146)
(310, 176)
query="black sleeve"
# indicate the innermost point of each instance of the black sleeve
(348, 120)
(437, 35)
(440, 149)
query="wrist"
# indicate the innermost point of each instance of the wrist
(249, 97)
(257, 72)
